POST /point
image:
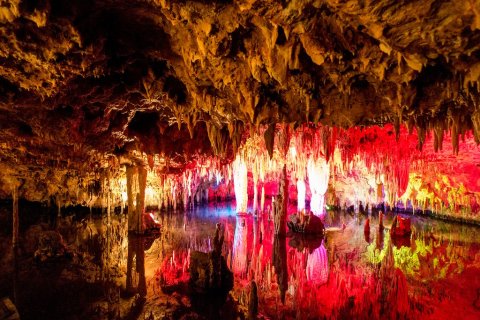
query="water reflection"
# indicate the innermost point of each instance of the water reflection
(240, 248)
(432, 274)
(280, 264)
(136, 282)
(317, 266)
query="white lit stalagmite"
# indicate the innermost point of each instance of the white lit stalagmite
(240, 252)
(301, 190)
(318, 173)
(317, 266)
(240, 183)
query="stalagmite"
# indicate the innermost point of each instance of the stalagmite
(269, 136)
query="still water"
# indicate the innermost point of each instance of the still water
(100, 272)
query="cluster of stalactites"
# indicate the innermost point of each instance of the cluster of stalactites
(302, 152)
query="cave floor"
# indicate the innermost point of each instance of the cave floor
(434, 274)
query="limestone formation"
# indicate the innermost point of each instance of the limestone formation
(90, 85)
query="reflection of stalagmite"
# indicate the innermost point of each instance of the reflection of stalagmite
(280, 264)
(379, 239)
(393, 286)
(253, 301)
(136, 253)
(256, 245)
(317, 266)
(239, 264)
(366, 230)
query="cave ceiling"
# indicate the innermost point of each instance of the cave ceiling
(82, 81)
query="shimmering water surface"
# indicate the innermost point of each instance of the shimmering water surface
(348, 274)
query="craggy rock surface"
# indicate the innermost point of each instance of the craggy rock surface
(88, 84)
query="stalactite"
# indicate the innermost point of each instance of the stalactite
(438, 136)
(455, 133)
(15, 217)
(269, 136)
(421, 137)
